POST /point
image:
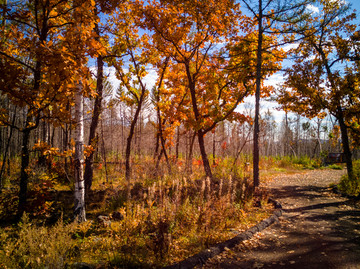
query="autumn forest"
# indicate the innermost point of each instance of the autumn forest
(134, 134)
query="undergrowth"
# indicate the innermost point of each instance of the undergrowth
(302, 162)
(36, 246)
(351, 186)
(168, 217)
(335, 166)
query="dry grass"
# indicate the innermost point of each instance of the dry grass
(168, 217)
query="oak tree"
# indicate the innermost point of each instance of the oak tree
(192, 34)
(323, 78)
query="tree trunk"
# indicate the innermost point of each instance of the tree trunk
(200, 132)
(156, 151)
(177, 143)
(204, 157)
(214, 147)
(165, 154)
(158, 161)
(104, 151)
(318, 133)
(79, 193)
(127, 153)
(88, 176)
(66, 142)
(340, 117)
(122, 134)
(161, 141)
(129, 140)
(43, 132)
(6, 151)
(139, 131)
(257, 99)
(345, 143)
(189, 156)
(24, 177)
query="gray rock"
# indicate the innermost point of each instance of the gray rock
(104, 220)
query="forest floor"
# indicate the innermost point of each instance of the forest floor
(318, 228)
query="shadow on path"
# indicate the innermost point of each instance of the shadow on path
(317, 230)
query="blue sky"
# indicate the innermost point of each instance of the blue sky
(355, 4)
(278, 77)
(274, 80)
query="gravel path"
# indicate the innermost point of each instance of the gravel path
(318, 229)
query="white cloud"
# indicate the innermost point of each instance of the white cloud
(313, 8)
(275, 79)
(109, 73)
(288, 47)
(150, 79)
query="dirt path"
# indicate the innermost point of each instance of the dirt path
(318, 229)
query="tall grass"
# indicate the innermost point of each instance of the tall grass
(167, 218)
(33, 246)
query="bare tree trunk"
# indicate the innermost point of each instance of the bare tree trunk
(79, 193)
(297, 149)
(6, 151)
(43, 137)
(122, 134)
(190, 155)
(165, 154)
(214, 146)
(104, 151)
(95, 117)
(24, 177)
(161, 140)
(287, 140)
(139, 131)
(157, 139)
(158, 161)
(177, 143)
(318, 134)
(129, 140)
(245, 141)
(66, 142)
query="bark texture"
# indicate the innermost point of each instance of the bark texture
(79, 193)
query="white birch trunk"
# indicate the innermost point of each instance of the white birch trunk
(79, 205)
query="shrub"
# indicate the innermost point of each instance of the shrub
(8, 203)
(351, 186)
(33, 246)
(335, 166)
(165, 219)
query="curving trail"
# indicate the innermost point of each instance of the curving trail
(318, 229)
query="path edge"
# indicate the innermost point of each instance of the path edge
(201, 258)
(335, 189)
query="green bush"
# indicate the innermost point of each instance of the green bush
(302, 162)
(351, 186)
(335, 166)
